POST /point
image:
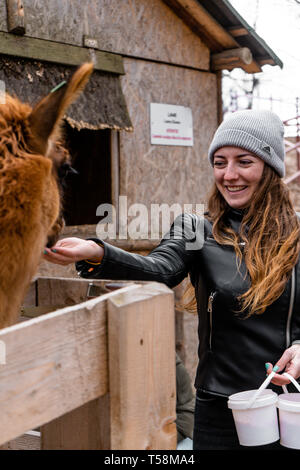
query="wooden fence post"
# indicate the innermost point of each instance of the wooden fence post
(139, 411)
(86, 427)
(142, 382)
(95, 375)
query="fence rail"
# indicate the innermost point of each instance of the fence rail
(96, 374)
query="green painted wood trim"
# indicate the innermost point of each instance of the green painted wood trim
(57, 52)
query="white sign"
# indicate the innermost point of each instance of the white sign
(171, 125)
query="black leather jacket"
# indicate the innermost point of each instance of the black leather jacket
(232, 349)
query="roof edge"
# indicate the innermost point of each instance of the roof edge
(200, 18)
(253, 33)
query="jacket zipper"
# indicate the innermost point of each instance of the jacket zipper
(289, 316)
(290, 312)
(210, 311)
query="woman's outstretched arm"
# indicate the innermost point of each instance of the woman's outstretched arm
(168, 263)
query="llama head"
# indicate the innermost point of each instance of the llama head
(45, 133)
(32, 162)
(35, 134)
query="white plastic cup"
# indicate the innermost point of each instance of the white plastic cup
(257, 425)
(289, 419)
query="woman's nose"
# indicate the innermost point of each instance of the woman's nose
(231, 172)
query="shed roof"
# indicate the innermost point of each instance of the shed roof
(101, 106)
(222, 28)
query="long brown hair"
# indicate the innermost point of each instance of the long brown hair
(270, 230)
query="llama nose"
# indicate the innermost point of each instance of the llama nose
(52, 239)
(55, 232)
(73, 171)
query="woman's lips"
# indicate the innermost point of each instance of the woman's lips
(235, 189)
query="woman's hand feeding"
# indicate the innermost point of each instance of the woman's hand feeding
(71, 250)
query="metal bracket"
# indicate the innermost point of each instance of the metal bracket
(91, 43)
(15, 17)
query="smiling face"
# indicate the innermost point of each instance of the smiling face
(237, 175)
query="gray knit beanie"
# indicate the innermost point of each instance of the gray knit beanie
(260, 132)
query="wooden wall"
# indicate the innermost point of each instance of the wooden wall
(140, 28)
(178, 174)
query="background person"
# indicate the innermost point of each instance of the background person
(185, 406)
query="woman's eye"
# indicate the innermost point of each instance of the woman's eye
(245, 162)
(219, 164)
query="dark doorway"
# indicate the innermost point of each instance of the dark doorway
(90, 152)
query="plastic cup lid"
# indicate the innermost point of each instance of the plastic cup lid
(289, 402)
(240, 401)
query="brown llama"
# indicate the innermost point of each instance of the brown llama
(31, 162)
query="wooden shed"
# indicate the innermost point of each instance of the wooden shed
(159, 52)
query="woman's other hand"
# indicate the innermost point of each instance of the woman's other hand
(289, 362)
(70, 250)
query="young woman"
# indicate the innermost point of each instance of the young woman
(244, 275)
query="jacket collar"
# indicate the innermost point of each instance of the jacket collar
(235, 217)
(236, 214)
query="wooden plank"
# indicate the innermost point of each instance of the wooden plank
(265, 61)
(237, 31)
(31, 440)
(142, 382)
(54, 363)
(231, 58)
(253, 67)
(219, 97)
(85, 428)
(89, 426)
(64, 291)
(53, 293)
(115, 173)
(30, 297)
(210, 31)
(50, 51)
(15, 16)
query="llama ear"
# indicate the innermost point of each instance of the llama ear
(46, 117)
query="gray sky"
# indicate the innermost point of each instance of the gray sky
(278, 23)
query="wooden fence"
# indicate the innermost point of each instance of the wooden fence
(95, 374)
